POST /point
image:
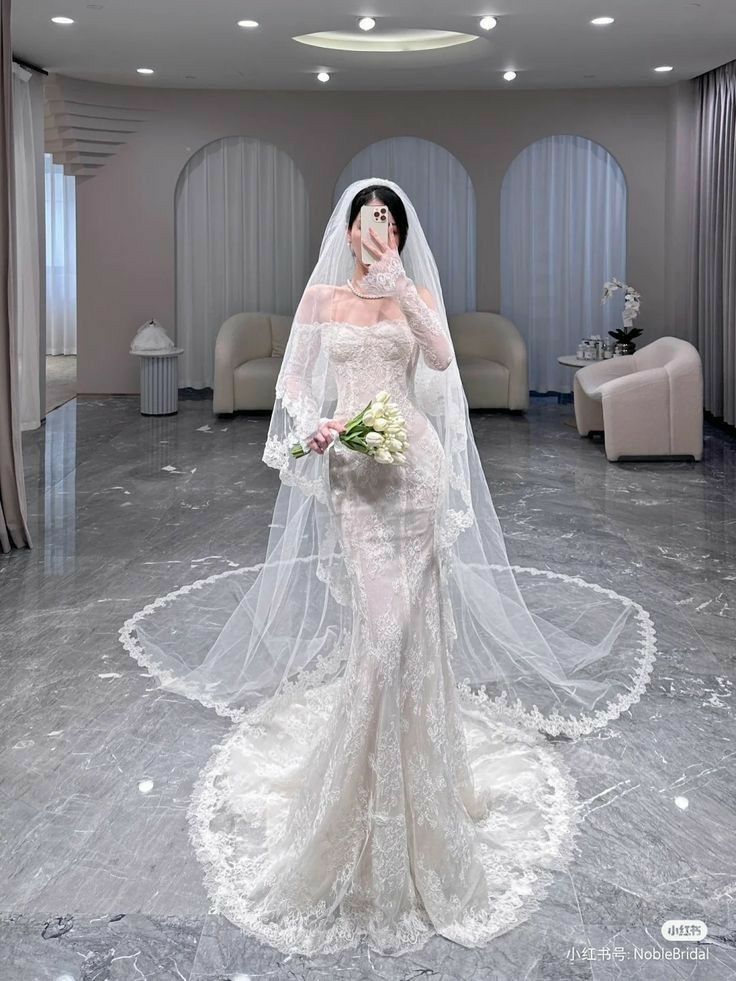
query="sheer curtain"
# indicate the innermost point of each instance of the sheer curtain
(715, 239)
(61, 260)
(242, 226)
(563, 234)
(442, 193)
(13, 523)
(27, 252)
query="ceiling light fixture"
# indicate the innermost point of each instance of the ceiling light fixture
(402, 41)
(487, 23)
(663, 68)
(145, 71)
(323, 77)
(509, 76)
(366, 23)
(602, 21)
(62, 20)
(248, 23)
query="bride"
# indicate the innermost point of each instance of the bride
(394, 679)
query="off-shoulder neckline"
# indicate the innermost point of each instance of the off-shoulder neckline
(347, 323)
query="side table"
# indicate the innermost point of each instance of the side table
(159, 381)
(574, 362)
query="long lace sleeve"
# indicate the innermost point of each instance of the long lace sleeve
(294, 384)
(387, 275)
(299, 392)
(425, 326)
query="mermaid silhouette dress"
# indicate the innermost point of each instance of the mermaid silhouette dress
(386, 806)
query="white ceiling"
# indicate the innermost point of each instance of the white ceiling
(549, 43)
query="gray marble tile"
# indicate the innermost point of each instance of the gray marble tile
(115, 946)
(97, 763)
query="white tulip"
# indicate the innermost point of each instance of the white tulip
(374, 439)
(379, 423)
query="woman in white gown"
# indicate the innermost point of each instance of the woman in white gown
(389, 777)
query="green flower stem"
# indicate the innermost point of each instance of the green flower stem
(351, 436)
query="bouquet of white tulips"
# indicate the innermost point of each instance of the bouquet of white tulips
(378, 430)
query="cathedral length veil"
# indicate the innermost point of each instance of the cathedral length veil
(545, 650)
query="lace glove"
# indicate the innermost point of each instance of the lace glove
(387, 276)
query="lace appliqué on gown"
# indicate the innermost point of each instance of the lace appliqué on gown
(256, 875)
(388, 805)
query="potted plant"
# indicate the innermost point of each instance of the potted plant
(624, 335)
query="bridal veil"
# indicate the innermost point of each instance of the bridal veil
(543, 648)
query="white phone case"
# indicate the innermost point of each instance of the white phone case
(372, 216)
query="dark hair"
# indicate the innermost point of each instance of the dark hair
(392, 201)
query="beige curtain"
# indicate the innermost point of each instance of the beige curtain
(13, 528)
(715, 239)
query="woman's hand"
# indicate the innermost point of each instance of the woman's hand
(322, 437)
(386, 275)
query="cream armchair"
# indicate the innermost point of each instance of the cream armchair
(647, 404)
(492, 360)
(248, 354)
(491, 357)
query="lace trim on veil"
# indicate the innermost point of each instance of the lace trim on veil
(326, 665)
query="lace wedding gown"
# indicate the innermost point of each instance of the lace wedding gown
(386, 806)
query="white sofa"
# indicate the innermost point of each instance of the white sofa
(647, 404)
(491, 357)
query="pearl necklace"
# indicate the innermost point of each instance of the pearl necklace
(366, 296)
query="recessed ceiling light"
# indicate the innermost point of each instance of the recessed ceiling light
(62, 20)
(602, 21)
(145, 71)
(366, 23)
(323, 77)
(248, 23)
(487, 23)
(509, 76)
(664, 68)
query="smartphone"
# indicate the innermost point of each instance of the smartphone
(375, 216)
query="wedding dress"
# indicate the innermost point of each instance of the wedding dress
(383, 806)
(374, 795)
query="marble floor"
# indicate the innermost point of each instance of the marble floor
(97, 763)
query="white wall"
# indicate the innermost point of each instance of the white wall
(125, 222)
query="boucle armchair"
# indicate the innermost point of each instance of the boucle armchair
(248, 354)
(491, 357)
(649, 403)
(492, 360)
